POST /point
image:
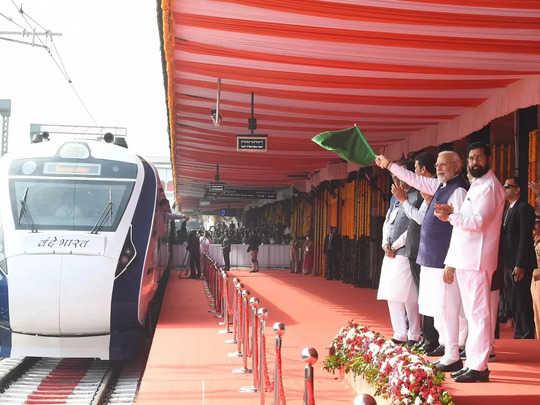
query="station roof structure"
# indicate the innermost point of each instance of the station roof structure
(409, 73)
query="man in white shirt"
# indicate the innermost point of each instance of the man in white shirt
(472, 257)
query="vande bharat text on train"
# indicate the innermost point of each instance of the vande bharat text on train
(83, 247)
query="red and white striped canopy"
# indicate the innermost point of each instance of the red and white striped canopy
(409, 73)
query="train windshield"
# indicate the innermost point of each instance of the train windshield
(39, 204)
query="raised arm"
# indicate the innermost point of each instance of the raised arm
(424, 184)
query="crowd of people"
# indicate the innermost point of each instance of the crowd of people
(198, 242)
(268, 234)
(452, 253)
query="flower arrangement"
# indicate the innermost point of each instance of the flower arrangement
(396, 372)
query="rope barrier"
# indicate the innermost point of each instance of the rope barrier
(237, 320)
(310, 357)
(244, 347)
(254, 302)
(225, 303)
(268, 385)
(262, 315)
(279, 392)
(248, 323)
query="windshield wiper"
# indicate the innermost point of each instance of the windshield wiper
(25, 211)
(107, 212)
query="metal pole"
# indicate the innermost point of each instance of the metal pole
(237, 321)
(234, 309)
(262, 314)
(279, 330)
(253, 304)
(310, 357)
(224, 303)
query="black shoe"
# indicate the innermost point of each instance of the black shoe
(459, 372)
(428, 347)
(399, 342)
(413, 344)
(462, 353)
(471, 376)
(254, 271)
(438, 352)
(455, 366)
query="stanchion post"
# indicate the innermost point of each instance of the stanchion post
(243, 342)
(262, 314)
(237, 320)
(254, 304)
(235, 282)
(225, 303)
(279, 397)
(310, 357)
(253, 351)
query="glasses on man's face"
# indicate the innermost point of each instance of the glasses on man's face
(509, 186)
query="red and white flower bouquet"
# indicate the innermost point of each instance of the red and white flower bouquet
(396, 372)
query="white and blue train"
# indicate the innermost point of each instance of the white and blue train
(83, 247)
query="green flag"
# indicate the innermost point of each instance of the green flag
(350, 144)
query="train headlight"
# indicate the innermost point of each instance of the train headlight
(3, 261)
(127, 255)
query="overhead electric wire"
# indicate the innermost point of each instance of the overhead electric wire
(12, 21)
(57, 60)
(22, 42)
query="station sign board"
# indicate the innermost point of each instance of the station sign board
(245, 194)
(216, 187)
(252, 143)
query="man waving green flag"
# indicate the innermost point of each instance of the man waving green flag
(350, 144)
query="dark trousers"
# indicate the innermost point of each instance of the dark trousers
(415, 272)
(431, 336)
(195, 265)
(519, 299)
(330, 266)
(227, 258)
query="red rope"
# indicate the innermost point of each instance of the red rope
(279, 376)
(268, 386)
(255, 354)
(247, 342)
(240, 319)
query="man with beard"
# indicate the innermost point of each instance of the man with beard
(472, 257)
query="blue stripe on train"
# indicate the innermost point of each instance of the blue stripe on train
(5, 332)
(126, 332)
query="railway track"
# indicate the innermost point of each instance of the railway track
(68, 381)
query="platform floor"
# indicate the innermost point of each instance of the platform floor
(188, 361)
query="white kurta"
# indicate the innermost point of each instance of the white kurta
(473, 252)
(396, 283)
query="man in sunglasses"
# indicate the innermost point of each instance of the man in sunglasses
(518, 259)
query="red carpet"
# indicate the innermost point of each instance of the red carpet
(188, 361)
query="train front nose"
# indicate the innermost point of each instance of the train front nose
(60, 295)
